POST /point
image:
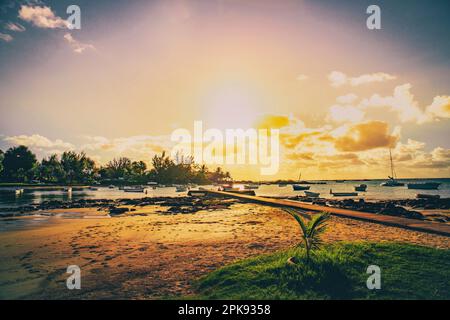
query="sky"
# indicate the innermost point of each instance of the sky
(340, 94)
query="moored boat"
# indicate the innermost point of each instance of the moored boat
(298, 187)
(134, 189)
(361, 187)
(181, 189)
(251, 186)
(197, 193)
(312, 194)
(427, 196)
(343, 194)
(392, 182)
(424, 186)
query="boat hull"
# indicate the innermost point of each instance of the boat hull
(297, 187)
(424, 186)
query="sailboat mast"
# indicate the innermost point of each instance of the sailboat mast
(392, 164)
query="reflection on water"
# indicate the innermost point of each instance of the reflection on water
(374, 191)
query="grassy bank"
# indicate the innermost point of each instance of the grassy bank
(338, 272)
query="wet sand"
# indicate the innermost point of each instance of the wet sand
(148, 255)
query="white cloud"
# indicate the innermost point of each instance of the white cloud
(338, 78)
(347, 99)
(76, 45)
(5, 37)
(408, 109)
(440, 108)
(38, 141)
(42, 17)
(16, 27)
(339, 113)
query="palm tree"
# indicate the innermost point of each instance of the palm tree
(311, 230)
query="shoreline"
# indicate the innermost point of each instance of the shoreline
(436, 210)
(151, 254)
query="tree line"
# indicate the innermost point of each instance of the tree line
(19, 164)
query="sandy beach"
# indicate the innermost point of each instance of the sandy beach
(149, 254)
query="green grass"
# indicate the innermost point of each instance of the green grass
(337, 272)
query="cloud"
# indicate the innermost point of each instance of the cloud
(365, 136)
(16, 27)
(5, 37)
(302, 77)
(38, 141)
(338, 78)
(338, 113)
(440, 108)
(347, 99)
(76, 45)
(139, 147)
(403, 102)
(41, 17)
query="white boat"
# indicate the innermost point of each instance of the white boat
(18, 192)
(392, 182)
(134, 189)
(312, 194)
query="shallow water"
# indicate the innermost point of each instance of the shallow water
(374, 192)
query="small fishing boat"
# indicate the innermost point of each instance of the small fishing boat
(181, 189)
(111, 186)
(19, 192)
(230, 189)
(427, 196)
(361, 187)
(239, 191)
(312, 194)
(93, 188)
(343, 194)
(298, 187)
(340, 181)
(197, 193)
(251, 186)
(134, 189)
(282, 185)
(424, 186)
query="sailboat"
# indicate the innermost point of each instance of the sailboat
(392, 182)
(298, 187)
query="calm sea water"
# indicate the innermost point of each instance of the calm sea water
(374, 192)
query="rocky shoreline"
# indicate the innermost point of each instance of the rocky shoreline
(408, 208)
(175, 205)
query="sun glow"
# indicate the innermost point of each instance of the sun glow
(232, 107)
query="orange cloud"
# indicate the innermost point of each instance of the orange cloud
(366, 136)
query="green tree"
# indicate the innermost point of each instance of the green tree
(311, 231)
(118, 168)
(51, 170)
(18, 163)
(77, 167)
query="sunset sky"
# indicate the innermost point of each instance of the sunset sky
(341, 94)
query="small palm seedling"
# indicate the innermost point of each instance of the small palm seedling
(311, 230)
